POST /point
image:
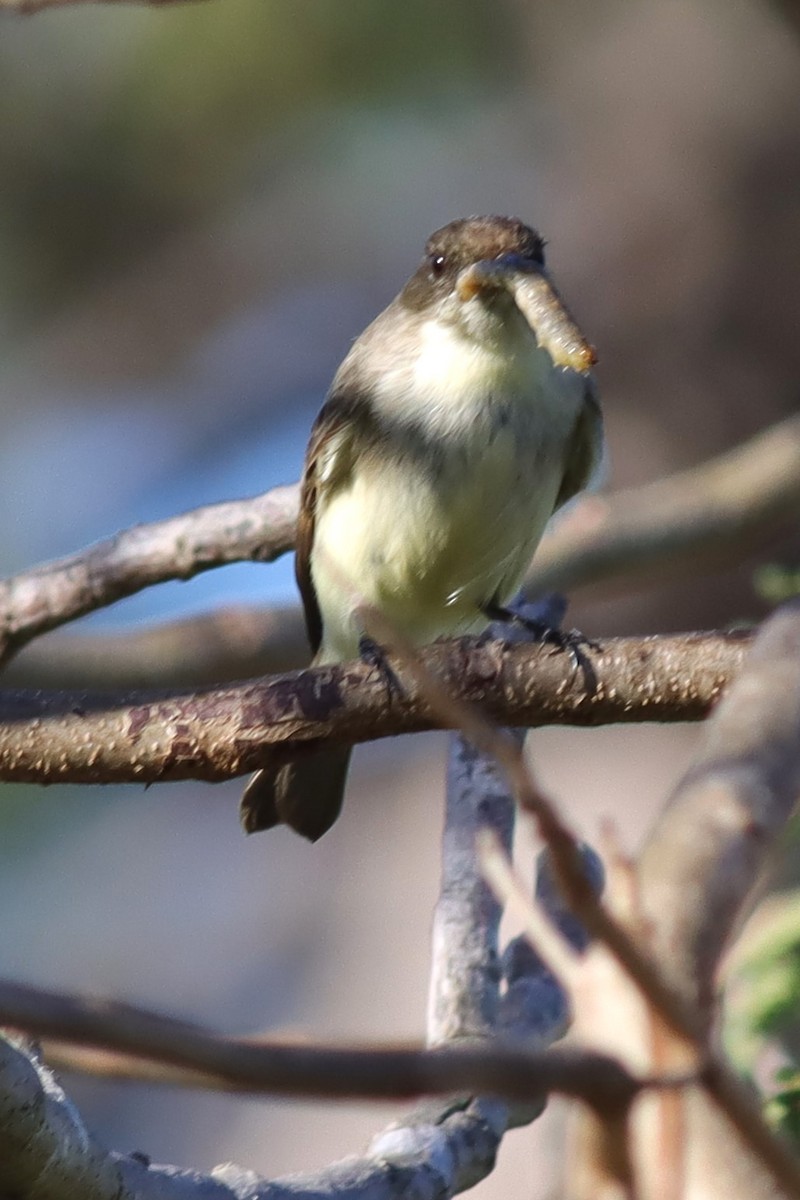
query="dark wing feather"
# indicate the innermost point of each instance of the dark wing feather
(305, 537)
(585, 449)
(329, 459)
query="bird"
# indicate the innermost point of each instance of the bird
(461, 419)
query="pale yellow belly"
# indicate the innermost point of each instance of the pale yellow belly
(429, 553)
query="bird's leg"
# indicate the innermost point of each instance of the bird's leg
(569, 641)
(372, 653)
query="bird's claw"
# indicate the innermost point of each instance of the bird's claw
(571, 642)
(566, 641)
(374, 655)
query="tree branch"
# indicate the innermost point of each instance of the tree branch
(257, 1066)
(695, 518)
(45, 1149)
(259, 530)
(456, 1144)
(706, 853)
(220, 733)
(465, 971)
(39, 1129)
(229, 643)
(26, 7)
(464, 998)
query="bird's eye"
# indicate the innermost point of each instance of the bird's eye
(437, 265)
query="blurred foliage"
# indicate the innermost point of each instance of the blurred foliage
(775, 582)
(128, 124)
(783, 1109)
(761, 1014)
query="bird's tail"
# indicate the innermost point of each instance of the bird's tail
(304, 792)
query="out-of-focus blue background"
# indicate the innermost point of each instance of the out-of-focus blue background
(200, 207)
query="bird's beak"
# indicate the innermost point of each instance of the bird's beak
(537, 300)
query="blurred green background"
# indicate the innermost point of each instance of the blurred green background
(200, 207)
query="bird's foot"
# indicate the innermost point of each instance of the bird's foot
(374, 655)
(566, 641)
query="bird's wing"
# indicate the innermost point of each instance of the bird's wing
(585, 451)
(329, 461)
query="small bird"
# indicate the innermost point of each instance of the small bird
(461, 419)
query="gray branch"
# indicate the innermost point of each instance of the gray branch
(259, 530)
(465, 971)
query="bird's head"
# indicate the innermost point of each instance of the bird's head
(486, 275)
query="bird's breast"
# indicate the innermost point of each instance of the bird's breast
(442, 512)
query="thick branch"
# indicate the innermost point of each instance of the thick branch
(259, 529)
(705, 855)
(464, 1000)
(213, 735)
(465, 971)
(39, 1128)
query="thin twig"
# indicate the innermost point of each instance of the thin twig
(564, 847)
(46, 1150)
(256, 1065)
(561, 959)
